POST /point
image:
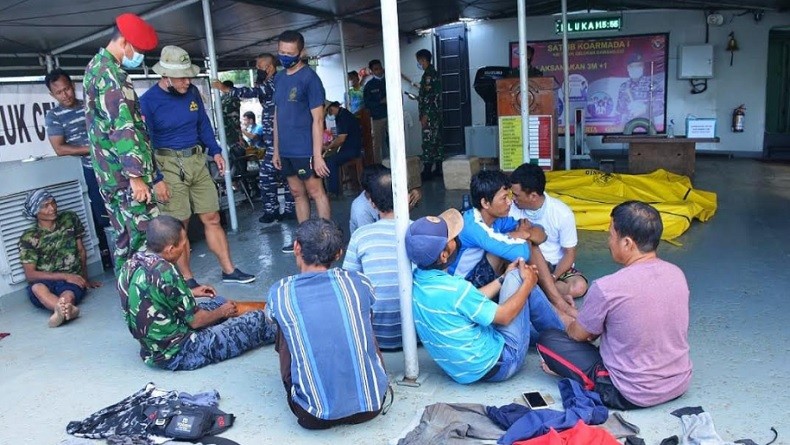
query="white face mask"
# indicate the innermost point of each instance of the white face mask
(635, 72)
(419, 66)
(537, 214)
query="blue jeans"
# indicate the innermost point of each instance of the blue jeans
(537, 316)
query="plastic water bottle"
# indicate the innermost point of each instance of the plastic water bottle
(671, 128)
(466, 204)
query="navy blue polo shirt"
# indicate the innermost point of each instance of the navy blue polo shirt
(348, 124)
(294, 96)
(177, 121)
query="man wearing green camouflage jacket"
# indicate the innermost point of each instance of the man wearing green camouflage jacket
(120, 148)
(430, 108)
(175, 331)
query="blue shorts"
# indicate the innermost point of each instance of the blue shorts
(482, 273)
(57, 287)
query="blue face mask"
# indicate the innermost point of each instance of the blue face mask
(134, 62)
(287, 61)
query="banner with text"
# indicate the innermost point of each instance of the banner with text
(613, 79)
(22, 111)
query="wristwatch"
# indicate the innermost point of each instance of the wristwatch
(501, 279)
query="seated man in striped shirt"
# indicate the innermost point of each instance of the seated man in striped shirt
(468, 335)
(329, 360)
(371, 251)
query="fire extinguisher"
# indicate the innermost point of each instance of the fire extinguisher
(738, 115)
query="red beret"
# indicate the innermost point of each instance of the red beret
(137, 31)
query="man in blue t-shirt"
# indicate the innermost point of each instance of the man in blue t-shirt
(298, 128)
(375, 97)
(471, 337)
(68, 136)
(346, 146)
(330, 363)
(182, 135)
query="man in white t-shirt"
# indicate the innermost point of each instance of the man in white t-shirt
(531, 202)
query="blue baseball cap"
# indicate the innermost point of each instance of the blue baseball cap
(427, 237)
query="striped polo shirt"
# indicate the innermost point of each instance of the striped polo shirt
(69, 123)
(325, 319)
(372, 252)
(455, 323)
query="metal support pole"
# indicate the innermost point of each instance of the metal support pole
(523, 76)
(566, 97)
(345, 62)
(108, 31)
(400, 192)
(50, 62)
(223, 140)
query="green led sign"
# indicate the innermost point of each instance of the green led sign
(610, 23)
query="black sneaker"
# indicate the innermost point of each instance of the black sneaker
(288, 248)
(237, 276)
(287, 216)
(268, 219)
(192, 283)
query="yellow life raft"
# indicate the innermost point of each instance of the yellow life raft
(592, 194)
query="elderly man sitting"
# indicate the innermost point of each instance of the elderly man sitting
(175, 332)
(54, 259)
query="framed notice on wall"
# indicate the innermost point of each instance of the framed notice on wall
(511, 146)
(613, 79)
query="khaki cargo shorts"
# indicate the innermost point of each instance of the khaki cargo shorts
(192, 192)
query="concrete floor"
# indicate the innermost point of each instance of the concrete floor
(736, 265)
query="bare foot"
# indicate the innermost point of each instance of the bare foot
(546, 369)
(56, 319)
(71, 312)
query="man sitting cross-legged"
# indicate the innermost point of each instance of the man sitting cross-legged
(641, 313)
(372, 251)
(330, 363)
(175, 332)
(54, 258)
(559, 249)
(468, 335)
(491, 239)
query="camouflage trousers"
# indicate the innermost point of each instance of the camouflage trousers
(269, 179)
(222, 341)
(129, 219)
(432, 147)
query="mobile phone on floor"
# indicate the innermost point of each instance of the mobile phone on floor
(535, 400)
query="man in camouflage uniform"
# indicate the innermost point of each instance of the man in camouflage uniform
(269, 178)
(120, 148)
(430, 108)
(175, 332)
(231, 110)
(54, 258)
(633, 97)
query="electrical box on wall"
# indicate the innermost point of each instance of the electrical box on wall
(695, 62)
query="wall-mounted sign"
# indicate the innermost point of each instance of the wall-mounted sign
(612, 79)
(591, 24)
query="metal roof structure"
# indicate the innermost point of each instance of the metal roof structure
(73, 30)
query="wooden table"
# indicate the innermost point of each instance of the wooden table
(648, 153)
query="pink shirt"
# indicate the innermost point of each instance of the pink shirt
(642, 315)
